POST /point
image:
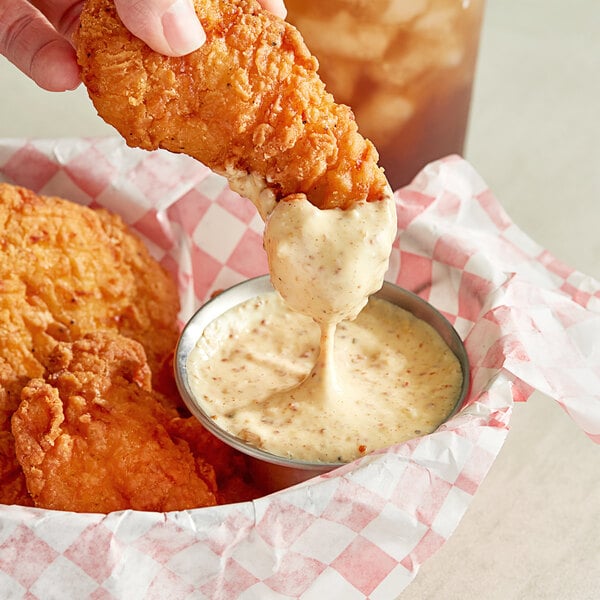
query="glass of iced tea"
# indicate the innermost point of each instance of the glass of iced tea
(405, 67)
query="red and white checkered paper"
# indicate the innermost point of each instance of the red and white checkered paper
(528, 321)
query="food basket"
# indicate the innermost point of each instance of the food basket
(362, 530)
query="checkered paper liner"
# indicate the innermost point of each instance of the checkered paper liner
(528, 321)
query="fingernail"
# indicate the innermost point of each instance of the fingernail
(182, 29)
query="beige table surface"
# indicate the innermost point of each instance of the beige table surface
(533, 529)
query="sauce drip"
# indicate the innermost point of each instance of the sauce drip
(325, 265)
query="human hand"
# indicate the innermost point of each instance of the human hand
(35, 35)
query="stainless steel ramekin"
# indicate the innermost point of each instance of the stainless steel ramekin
(274, 472)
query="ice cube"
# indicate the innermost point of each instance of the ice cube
(403, 11)
(414, 55)
(345, 36)
(361, 10)
(341, 77)
(382, 116)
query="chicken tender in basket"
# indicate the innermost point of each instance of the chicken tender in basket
(232, 471)
(248, 103)
(67, 270)
(92, 436)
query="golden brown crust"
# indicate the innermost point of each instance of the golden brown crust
(91, 435)
(234, 482)
(12, 482)
(249, 100)
(67, 270)
(13, 489)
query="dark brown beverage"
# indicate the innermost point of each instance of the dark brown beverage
(404, 66)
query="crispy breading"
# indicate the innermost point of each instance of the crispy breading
(66, 270)
(91, 436)
(234, 482)
(13, 489)
(250, 100)
(12, 482)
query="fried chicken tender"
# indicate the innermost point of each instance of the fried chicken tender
(13, 488)
(91, 435)
(12, 482)
(66, 270)
(248, 102)
(234, 482)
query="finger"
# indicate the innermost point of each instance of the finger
(30, 42)
(277, 7)
(62, 14)
(170, 27)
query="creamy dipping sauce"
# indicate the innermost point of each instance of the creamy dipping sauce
(256, 371)
(324, 263)
(302, 372)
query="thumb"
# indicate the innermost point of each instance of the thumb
(170, 27)
(277, 7)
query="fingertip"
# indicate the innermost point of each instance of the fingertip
(277, 7)
(54, 67)
(182, 29)
(168, 27)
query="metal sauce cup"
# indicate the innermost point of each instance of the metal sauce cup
(270, 471)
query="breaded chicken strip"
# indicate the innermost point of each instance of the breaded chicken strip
(248, 102)
(13, 487)
(66, 270)
(12, 482)
(91, 436)
(234, 483)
